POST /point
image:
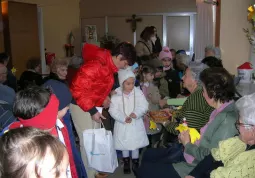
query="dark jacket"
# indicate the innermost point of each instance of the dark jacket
(6, 115)
(11, 80)
(29, 78)
(157, 47)
(53, 76)
(174, 83)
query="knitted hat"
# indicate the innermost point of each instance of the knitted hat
(61, 91)
(124, 75)
(165, 53)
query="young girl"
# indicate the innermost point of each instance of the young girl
(127, 107)
(171, 75)
(29, 152)
(152, 95)
(150, 90)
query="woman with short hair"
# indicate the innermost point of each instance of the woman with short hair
(58, 70)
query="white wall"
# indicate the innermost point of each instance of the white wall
(233, 42)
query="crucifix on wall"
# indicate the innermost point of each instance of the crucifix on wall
(133, 22)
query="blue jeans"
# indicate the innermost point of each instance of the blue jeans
(81, 171)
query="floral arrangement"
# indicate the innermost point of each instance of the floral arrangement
(251, 19)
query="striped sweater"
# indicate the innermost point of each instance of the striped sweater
(195, 110)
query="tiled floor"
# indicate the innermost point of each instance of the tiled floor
(119, 173)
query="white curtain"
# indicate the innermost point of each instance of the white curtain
(204, 28)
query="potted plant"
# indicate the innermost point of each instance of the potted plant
(109, 42)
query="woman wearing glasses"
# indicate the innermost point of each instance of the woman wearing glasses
(235, 157)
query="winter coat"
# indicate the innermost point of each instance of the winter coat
(162, 85)
(29, 78)
(130, 136)
(94, 80)
(157, 47)
(144, 54)
(6, 115)
(152, 95)
(174, 83)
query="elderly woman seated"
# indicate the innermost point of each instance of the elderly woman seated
(235, 157)
(195, 108)
(58, 69)
(218, 91)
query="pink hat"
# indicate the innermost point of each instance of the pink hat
(165, 53)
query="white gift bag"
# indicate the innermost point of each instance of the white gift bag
(101, 155)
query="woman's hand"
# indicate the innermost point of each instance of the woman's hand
(107, 102)
(184, 137)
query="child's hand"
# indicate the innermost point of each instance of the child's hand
(128, 120)
(180, 96)
(132, 115)
(162, 103)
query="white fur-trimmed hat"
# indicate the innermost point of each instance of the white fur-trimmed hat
(124, 74)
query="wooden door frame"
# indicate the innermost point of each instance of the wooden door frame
(217, 26)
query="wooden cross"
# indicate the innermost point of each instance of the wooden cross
(133, 21)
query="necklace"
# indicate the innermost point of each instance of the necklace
(124, 103)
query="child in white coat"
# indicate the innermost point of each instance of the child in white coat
(127, 107)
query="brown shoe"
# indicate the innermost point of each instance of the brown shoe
(101, 175)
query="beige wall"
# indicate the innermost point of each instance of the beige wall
(233, 42)
(98, 8)
(60, 17)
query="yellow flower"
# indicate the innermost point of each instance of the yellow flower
(251, 15)
(14, 70)
(153, 125)
(194, 134)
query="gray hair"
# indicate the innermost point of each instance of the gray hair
(76, 62)
(246, 107)
(215, 50)
(196, 68)
(183, 58)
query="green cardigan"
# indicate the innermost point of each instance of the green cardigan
(221, 128)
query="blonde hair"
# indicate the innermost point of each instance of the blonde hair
(19, 147)
(59, 62)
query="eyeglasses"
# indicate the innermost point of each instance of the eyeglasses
(238, 125)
